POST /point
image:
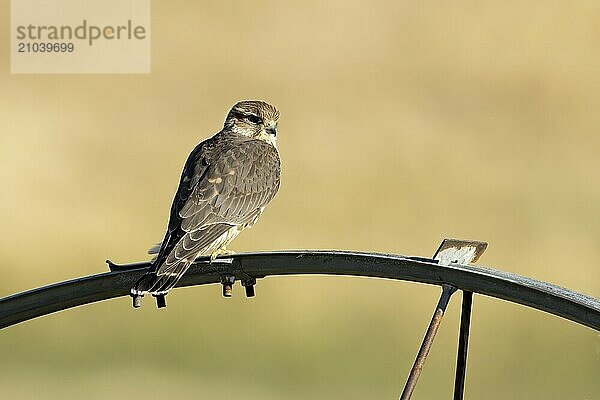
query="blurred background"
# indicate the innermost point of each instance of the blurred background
(402, 123)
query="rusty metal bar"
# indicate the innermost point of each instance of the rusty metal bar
(436, 320)
(463, 345)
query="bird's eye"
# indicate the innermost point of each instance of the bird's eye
(254, 119)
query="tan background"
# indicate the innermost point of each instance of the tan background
(402, 123)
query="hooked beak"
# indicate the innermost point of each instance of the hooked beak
(272, 129)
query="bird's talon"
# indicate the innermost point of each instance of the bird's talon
(220, 252)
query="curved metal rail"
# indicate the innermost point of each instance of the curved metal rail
(443, 270)
(247, 267)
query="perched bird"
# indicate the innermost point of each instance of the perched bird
(225, 185)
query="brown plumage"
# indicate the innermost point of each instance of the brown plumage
(226, 182)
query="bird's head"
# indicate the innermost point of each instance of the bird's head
(254, 119)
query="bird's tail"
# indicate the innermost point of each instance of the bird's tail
(164, 276)
(159, 284)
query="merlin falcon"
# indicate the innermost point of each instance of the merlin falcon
(225, 185)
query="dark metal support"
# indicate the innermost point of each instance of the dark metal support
(161, 302)
(449, 268)
(436, 320)
(518, 289)
(463, 345)
(249, 287)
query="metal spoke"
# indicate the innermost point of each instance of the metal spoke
(436, 320)
(463, 345)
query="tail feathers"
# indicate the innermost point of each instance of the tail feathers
(159, 284)
(155, 249)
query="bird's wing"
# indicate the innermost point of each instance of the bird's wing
(193, 171)
(220, 192)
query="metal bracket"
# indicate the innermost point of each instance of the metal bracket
(456, 251)
(137, 300)
(248, 285)
(161, 302)
(227, 280)
(450, 251)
